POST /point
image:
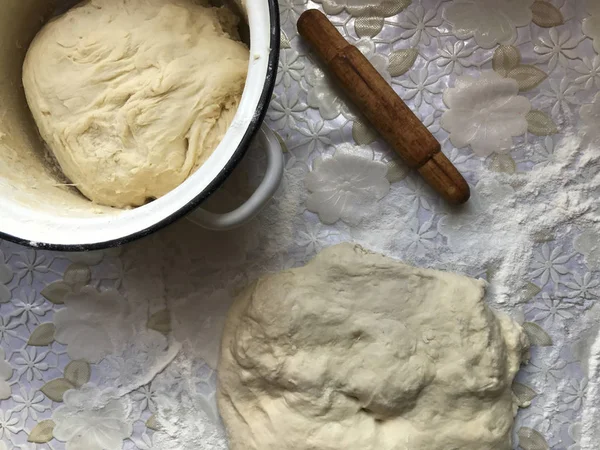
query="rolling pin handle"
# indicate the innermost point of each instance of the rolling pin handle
(384, 109)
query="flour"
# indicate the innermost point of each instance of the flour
(495, 233)
(591, 411)
(544, 201)
(187, 420)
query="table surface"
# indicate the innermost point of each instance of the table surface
(117, 349)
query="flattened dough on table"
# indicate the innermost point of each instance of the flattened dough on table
(357, 351)
(132, 96)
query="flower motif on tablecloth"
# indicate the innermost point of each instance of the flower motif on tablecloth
(561, 95)
(460, 159)
(417, 192)
(588, 244)
(144, 442)
(452, 57)
(318, 136)
(6, 372)
(93, 419)
(418, 238)
(590, 116)
(291, 67)
(327, 97)
(574, 395)
(420, 85)
(490, 22)
(365, 8)
(9, 423)
(312, 237)
(144, 397)
(586, 287)
(552, 310)
(543, 153)
(556, 48)
(31, 363)
(290, 10)
(591, 25)
(420, 24)
(30, 265)
(29, 306)
(8, 326)
(485, 113)
(430, 121)
(589, 68)
(286, 109)
(549, 264)
(29, 402)
(93, 323)
(347, 185)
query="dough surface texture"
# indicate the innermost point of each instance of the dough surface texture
(132, 96)
(357, 351)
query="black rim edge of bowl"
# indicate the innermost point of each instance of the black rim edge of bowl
(253, 127)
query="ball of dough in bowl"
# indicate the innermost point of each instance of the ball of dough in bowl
(357, 351)
(132, 96)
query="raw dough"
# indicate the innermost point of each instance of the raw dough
(357, 351)
(132, 96)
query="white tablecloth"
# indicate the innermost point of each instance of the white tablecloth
(116, 349)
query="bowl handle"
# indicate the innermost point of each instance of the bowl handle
(261, 196)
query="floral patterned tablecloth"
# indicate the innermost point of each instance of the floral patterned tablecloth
(117, 349)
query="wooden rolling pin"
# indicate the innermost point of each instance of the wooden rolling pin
(380, 104)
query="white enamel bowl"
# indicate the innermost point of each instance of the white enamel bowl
(36, 211)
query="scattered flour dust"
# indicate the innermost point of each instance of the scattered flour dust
(540, 205)
(590, 432)
(187, 419)
(508, 215)
(494, 235)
